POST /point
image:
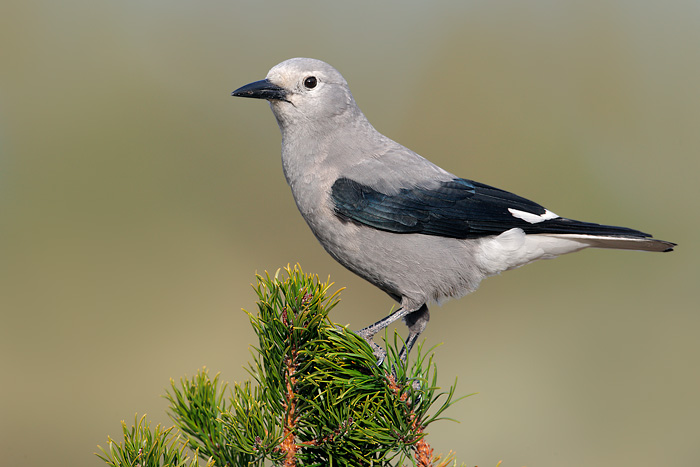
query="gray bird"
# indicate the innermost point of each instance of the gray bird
(414, 230)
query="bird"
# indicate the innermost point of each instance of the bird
(410, 228)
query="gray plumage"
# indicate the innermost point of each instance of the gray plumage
(414, 230)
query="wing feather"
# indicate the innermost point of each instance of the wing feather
(457, 208)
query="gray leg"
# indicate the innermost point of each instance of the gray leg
(370, 331)
(416, 322)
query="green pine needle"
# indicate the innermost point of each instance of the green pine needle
(317, 396)
(148, 448)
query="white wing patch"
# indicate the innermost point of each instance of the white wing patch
(533, 218)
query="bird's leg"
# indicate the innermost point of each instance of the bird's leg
(370, 331)
(416, 322)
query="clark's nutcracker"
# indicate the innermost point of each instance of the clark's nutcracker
(414, 230)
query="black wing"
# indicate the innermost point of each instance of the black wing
(458, 208)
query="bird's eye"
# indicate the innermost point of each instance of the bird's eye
(310, 82)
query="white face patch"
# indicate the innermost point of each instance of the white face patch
(533, 218)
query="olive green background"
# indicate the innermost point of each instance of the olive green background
(138, 200)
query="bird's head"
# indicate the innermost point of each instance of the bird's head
(302, 90)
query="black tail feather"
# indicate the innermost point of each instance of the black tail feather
(562, 225)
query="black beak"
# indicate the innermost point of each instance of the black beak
(262, 89)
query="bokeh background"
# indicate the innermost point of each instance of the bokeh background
(138, 200)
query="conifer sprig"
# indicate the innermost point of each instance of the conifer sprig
(317, 395)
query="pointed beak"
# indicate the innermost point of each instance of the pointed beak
(262, 89)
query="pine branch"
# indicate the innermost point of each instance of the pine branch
(145, 447)
(317, 395)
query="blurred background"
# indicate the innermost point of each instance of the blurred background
(138, 200)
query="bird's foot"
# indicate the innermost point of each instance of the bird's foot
(377, 349)
(379, 352)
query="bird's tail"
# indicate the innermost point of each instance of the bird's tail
(599, 235)
(514, 248)
(619, 242)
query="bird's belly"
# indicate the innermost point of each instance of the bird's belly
(413, 268)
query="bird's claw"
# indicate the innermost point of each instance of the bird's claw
(378, 352)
